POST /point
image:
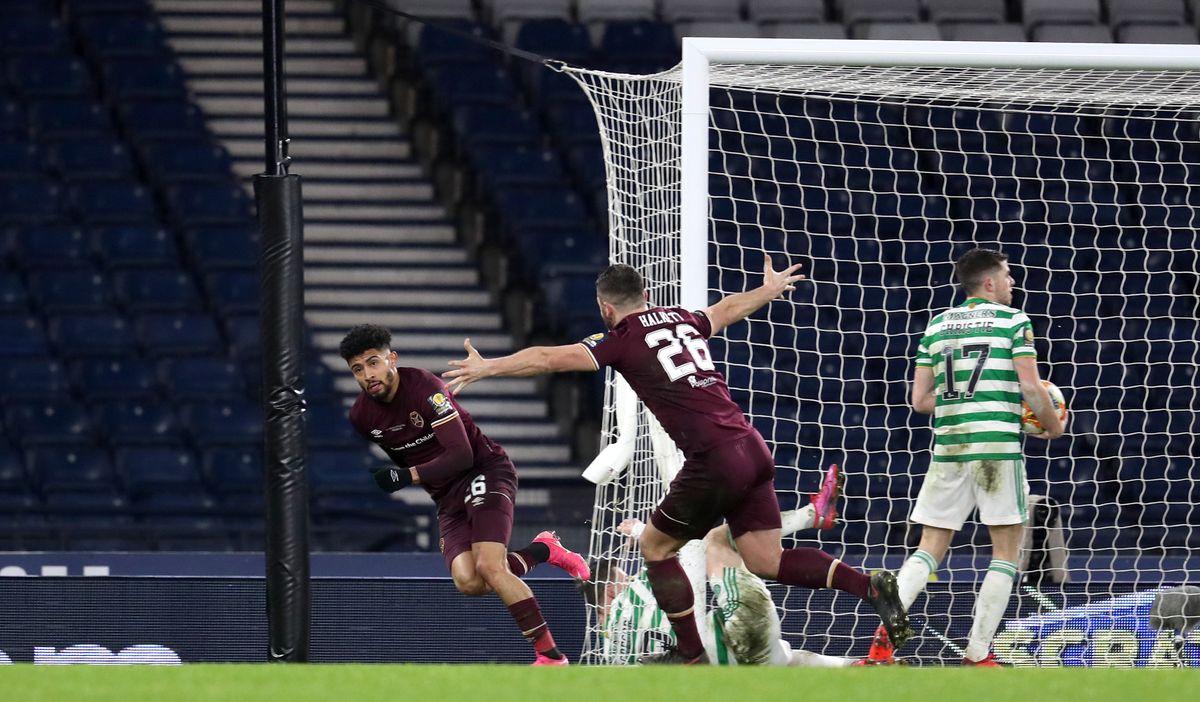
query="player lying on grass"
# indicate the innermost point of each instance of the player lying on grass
(744, 629)
(434, 443)
(728, 472)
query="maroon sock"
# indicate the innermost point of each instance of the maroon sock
(673, 591)
(533, 627)
(809, 567)
(523, 561)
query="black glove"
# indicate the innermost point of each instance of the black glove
(392, 479)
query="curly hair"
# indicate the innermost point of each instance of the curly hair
(363, 337)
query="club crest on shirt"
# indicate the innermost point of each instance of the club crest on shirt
(416, 419)
(441, 404)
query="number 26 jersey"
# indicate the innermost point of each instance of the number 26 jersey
(663, 355)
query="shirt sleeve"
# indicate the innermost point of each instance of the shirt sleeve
(924, 360)
(1022, 337)
(702, 323)
(602, 347)
(436, 404)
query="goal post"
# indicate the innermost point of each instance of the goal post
(876, 163)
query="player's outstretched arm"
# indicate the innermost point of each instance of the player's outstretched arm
(734, 308)
(535, 360)
(1038, 398)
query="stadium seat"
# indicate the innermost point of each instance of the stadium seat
(1161, 12)
(434, 47)
(190, 379)
(141, 78)
(51, 423)
(338, 470)
(139, 423)
(594, 11)
(103, 379)
(746, 30)
(157, 290)
(12, 118)
(107, 37)
(1156, 34)
(65, 291)
(956, 11)
(50, 75)
(507, 166)
(22, 157)
(805, 30)
(327, 426)
(633, 41)
(93, 335)
(113, 202)
(232, 470)
(29, 200)
(1039, 12)
(919, 31)
(59, 118)
(776, 11)
(177, 160)
(13, 480)
(223, 423)
(556, 38)
(179, 334)
(220, 248)
(134, 246)
(53, 248)
(14, 298)
(1073, 33)
(855, 12)
(205, 203)
(34, 33)
(232, 292)
(158, 470)
(92, 8)
(91, 159)
(242, 332)
(456, 85)
(21, 335)
(161, 119)
(676, 11)
(488, 125)
(71, 470)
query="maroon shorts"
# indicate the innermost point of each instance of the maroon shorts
(734, 481)
(481, 510)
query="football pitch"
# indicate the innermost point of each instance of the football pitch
(497, 683)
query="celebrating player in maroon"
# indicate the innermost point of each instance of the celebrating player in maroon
(728, 471)
(434, 443)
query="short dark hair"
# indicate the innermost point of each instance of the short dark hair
(593, 587)
(972, 267)
(621, 285)
(363, 337)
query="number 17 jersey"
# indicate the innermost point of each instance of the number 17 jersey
(970, 348)
(663, 355)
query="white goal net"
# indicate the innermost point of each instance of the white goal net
(877, 177)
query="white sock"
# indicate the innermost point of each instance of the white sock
(795, 520)
(989, 607)
(913, 575)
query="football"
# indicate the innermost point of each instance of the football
(1030, 423)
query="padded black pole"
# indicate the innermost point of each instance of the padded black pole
(281, 319)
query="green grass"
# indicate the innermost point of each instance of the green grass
(481, 683)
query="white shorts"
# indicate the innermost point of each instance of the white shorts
(953, 490)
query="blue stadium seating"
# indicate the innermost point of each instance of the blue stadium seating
(92, 334)
(135, 246)
(22, 335)
(33, 33)
(50, 76)
(202, 203)
(219, 248)
(113, 202)
(121, 36)
(223, 423)
(232, 470)
(91, 159)
(158, 470)
(178, 334)
(22, 157)
(29, 200)
(54, 423)
(80, 290)
(104, 379)
(71, 469)
(30, 379)
(14, 298)
(190, 379)
(58, 118)
(158, 119)
(157, 290)
(51, 249)
(138, 423)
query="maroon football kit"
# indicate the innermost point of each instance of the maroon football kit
(728, 471)
(475, 497)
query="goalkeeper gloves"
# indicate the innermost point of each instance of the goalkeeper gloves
(392, 479)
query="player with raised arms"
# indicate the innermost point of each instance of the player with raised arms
(974, 364)
(728, 471)
(434, 443)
